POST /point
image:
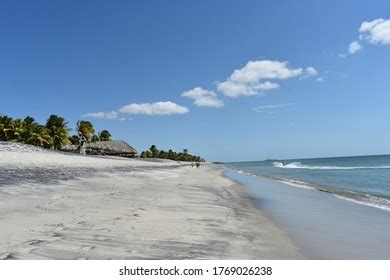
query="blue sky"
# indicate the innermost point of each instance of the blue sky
(300, 88)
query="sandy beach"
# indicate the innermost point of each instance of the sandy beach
(147, 210)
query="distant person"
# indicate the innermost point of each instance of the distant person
(192, 164)
(197, 164)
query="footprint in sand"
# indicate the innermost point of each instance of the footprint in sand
(87, 247)
(57, 235)
(34, 242)
(7, 256)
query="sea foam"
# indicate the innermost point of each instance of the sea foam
(298, 165)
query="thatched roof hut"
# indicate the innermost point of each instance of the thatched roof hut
(110, 148)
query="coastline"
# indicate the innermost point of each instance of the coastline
(149, 212)
(320, 223)
(358, 179)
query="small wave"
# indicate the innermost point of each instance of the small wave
(295, 183)
(359, 198)
(298, 165)
(372, 201)
(246, 173)
(354, 197)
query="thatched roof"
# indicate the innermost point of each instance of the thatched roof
(69, 148)
(117, 147)
(112, 147)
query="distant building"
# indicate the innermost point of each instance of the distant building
(109, 148)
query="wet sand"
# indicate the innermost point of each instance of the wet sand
(321, 224)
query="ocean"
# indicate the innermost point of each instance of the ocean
(360, 179)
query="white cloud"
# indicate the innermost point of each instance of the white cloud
(269, 108)
(369, 25)
(203, 97)
(376, 31)
(125, 119)
(354, 47)
(254, 71)
(311, 71)
(233, 89)
(102, 115)
(254, 77)
(157, 108)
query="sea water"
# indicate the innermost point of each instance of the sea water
(360, 179)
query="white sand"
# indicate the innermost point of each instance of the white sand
(149, 213)
(26, 156)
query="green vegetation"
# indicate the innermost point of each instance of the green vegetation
(153, 152)
(105, 135)
(85, 129)
(58, 131)
(53, 135)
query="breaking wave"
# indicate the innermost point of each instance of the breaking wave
(298, 165)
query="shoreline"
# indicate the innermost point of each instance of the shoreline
(146, 213)
(358, 179)
(358, 198)
(321, 224)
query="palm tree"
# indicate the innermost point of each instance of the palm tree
(85, 129)
(95, 139)
(6, 128)
(148, 154)
(172, 155)
(16, 130)
(10, 129)
(105, 135)
(163, 154)
(40, 137)
(29, 125)
(58, 131)
(29, 120)
(154, 151)
(53, 134)
(74, 139)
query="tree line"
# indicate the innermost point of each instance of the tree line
(54, 134)
(153, 152)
